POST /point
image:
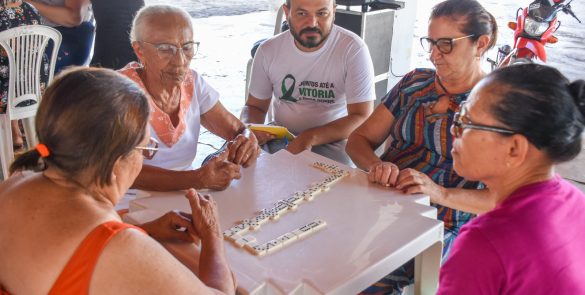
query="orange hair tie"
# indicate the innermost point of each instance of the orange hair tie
(43, 150)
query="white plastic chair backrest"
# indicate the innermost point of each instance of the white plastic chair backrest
(25, 47)
(278, 22)
(277, 30)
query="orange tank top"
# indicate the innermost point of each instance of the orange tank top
(76, 275)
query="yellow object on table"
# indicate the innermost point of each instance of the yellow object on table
(279, 131)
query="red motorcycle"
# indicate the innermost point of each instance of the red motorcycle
(533, 29)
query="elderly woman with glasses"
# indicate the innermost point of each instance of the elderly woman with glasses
(60, 233)
(181, 101)
(417, 113)
(517, 124)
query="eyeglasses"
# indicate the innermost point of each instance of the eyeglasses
(150, 149)
(445, 45)
(459, 126)
(168, 51)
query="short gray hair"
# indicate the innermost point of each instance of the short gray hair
(147, 12)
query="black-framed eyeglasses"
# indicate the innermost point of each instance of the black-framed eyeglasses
(150, 149)
(168, 51)
(445, 45)
(459, 125)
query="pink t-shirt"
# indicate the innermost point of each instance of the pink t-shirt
(532, 243)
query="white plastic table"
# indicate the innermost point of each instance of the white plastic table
(371, 230)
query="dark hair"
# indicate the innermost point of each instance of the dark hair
(476, 20)
(540, 103)
(88, 118)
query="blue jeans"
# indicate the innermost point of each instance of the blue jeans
(75, 46)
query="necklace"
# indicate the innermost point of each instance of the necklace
(442, 86)
(432, 114)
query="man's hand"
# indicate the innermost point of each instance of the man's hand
(383, 173)
(263, 137)
(300, 143)
(411, 181)
(243, 149)
(218, 173)
(206, 224)
(173, 226)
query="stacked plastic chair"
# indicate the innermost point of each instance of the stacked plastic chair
(25, 47)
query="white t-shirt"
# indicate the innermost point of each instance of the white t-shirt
(312, 89)
(182, 154)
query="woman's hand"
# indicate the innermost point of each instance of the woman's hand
(244, 149)
(411, 181)
(206, 219)
(218, 173)
(174, 225)
(383, 173)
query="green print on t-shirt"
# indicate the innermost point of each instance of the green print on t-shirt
(287, 92)
(308, 90)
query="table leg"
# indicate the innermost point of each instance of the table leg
(426, 269)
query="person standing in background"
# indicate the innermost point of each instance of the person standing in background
(74, 20)
(113, 24)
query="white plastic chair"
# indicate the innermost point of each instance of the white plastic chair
(24, 47)
(277, 30)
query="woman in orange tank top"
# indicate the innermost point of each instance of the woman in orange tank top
(60, 233)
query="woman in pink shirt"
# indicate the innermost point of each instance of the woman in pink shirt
(518, 123)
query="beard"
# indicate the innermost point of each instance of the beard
(309, 42)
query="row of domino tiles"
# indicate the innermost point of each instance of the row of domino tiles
(281, 207)
(250, 244)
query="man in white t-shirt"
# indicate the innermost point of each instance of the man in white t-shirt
(321, 76)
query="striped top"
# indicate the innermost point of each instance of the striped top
(423, 141)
